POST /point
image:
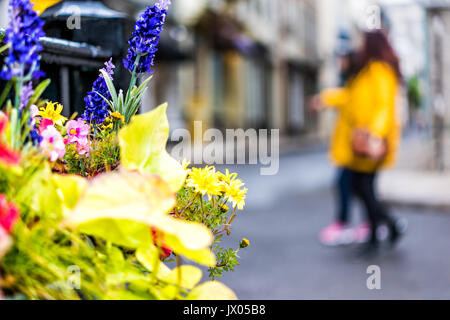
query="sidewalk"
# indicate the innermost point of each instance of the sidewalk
(412, 182)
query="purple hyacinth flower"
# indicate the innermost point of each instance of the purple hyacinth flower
(27, 92)
(145, 38)
(96, 107)
(164, 4)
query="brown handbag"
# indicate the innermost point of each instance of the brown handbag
(364, 144)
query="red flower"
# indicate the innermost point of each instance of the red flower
(7, 155)
(9, 213)
(166, 251)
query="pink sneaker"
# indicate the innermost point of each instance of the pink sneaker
(362, 232)
(335, 234)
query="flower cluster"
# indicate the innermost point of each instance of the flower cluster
(49, 123)
(56, 202)
(214, 183)
(96, 107)
(145, 38)
(22, 36)
(193, 205)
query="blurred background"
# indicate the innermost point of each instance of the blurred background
(254, 64)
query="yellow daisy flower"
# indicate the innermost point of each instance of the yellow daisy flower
(118, 116)
(52, 111)
(205, 181)
(227, 177)
(235, 194)
(107, 127)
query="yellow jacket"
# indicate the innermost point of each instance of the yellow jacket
(41, 5)
(368, 101)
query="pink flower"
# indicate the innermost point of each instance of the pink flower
(77, 130)
(53, 143)
(9, 213)
(83, 147)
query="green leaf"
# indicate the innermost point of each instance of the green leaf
(111, 88)
(38, 92)
(120, 102)
(133, 99)
(5, 92)
(143, 147)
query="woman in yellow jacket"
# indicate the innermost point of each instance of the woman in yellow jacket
(41, 5)
(368, 120)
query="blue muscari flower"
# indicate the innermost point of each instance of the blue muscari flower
(35, 137)
(145, 38)
(22, 35)
(96, 107)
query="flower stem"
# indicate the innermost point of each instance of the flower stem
(203, 209)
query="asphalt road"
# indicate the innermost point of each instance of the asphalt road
(285, 261)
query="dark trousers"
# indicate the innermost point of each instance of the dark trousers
(343, 194)
(364, 188)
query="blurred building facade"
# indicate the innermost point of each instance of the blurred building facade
(253, 64)
(438, 24)
(248, 64)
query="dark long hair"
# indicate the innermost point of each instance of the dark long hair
(377, 48)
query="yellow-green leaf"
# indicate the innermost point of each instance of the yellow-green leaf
(186, 276)
(126, 233)
(143, 147)
(120, 207)
(212, 290)
(41, 194)
(70, 188)
(122, 195)
(149, 257)
(202, 256)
